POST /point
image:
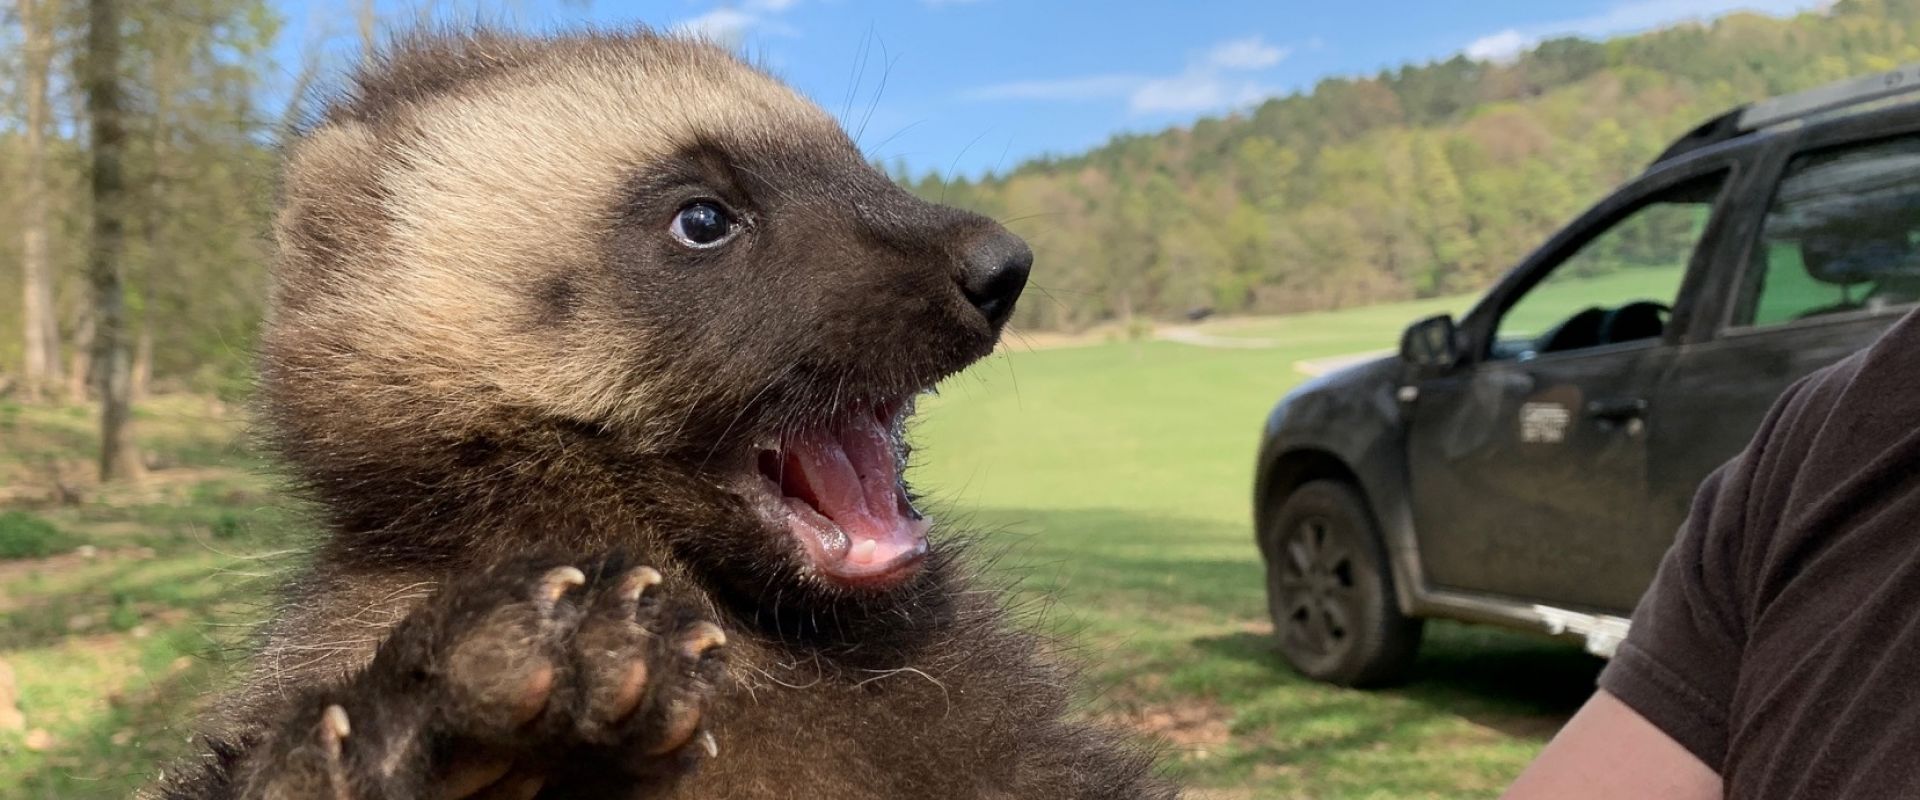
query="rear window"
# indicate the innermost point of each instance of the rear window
(1842, 236)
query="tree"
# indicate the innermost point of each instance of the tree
(1425, 179)
(40, 367)
(119, 459)
(1449, 230)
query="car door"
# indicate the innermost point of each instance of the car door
(1835, 262)
(1529, 461)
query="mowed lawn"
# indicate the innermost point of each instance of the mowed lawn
(120, 614)
(1116, 479)
(1111, 481)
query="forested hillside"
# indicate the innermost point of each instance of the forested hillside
(1420, 181)
(1416, 182)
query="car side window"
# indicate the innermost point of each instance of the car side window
(1617, 287)
(1842, 235)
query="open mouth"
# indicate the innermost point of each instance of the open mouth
(837, 491)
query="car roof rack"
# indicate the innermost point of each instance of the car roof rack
(1798, 106)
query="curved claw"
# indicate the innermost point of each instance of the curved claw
(704, 637)
(636, 582)
(334, 729)
(555, 585)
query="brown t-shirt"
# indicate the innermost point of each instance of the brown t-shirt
(1781, 641)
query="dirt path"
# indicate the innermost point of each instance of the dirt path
(1196, 338)
(1317, 367)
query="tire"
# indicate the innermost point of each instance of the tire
(1330, 590)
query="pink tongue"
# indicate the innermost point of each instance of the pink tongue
(850, 477)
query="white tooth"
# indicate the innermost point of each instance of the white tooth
(863, 552)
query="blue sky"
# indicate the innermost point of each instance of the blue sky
(977, 85)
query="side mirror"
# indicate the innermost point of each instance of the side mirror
(1431, 343)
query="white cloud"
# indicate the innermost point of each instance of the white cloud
(1630, 16)
(720, 24)
(1501, 47)
(1091, 87)
(1246, 54)
(1193, 92)
(1208, 83)
(729, 25)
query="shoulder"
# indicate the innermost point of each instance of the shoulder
(1844, 420)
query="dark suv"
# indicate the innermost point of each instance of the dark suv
(1528, 465)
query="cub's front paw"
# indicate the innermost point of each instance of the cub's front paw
(533, 676)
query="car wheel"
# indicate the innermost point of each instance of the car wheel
(1330, 590)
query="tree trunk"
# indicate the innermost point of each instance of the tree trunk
(155, 214)
(80, 361)
(40, 369)
(119, 460)
(142, 359)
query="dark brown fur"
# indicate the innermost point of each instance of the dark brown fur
(467, 414)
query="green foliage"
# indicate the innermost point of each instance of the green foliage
(227, 526)
(198, 169)
(23, 535)
(1417, 182)
(124, 616)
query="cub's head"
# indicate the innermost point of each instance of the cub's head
(639, 249)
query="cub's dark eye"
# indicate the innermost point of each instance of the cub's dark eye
(703, 224)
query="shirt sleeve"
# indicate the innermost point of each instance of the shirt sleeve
(1682, 656)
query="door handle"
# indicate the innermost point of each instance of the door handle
(1617, 409)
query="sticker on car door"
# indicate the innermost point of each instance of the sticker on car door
(1544, 423)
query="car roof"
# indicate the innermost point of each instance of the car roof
(1868, 101)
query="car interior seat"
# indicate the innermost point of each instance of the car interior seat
(1854, 258)
(1579, 331)
(1633, 322)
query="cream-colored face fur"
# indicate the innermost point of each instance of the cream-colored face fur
(472, 198)
(615, 277)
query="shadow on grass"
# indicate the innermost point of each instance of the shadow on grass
(116, 599)
(1160, 559)
(1519, 684)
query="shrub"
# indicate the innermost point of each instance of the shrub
(228, 526)
(24, 535)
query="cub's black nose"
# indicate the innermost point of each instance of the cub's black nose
(994, 273)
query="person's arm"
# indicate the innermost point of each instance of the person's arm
(1609, 751)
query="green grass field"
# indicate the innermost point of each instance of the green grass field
(1119, 476)
(1114, 479)
(143, 605)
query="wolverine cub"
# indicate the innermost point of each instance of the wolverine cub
(594, 352)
